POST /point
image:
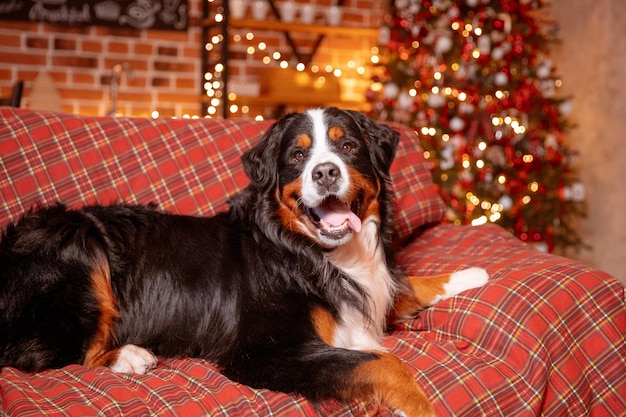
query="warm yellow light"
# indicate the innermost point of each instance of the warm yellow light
(479, 221)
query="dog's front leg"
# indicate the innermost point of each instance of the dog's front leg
(423, 292)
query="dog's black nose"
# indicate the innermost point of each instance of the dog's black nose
(326, 174)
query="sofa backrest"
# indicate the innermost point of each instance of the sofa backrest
(185, 166)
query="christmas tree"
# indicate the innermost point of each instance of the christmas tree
(475, 80)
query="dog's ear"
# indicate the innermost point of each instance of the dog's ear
(260, 163)
(382, 139)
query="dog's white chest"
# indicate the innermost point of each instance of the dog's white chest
(363, 260)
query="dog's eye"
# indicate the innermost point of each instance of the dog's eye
(347, 147)
(298, 156)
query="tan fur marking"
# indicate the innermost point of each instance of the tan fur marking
(99, 352)
(422, 292)
(370, 206)
(335, 133)
(325, 324)
(388, 381)
(304, 141)
(288, 210)
(427, 289)
(405, 306)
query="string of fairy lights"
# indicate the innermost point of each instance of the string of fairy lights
(258, 51)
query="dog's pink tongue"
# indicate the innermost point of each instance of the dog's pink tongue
(336, 213)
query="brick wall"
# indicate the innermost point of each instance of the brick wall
(166, 64)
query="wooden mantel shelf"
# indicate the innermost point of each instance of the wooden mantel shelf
(276, 25)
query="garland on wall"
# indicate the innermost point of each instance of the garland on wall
(474, 78)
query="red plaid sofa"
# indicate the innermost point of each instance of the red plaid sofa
(545, 336)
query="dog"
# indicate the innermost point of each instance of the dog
(291, 289)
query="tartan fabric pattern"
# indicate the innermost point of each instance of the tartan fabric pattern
(545, 336)
(185, 166)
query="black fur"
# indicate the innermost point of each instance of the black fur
(236, 288)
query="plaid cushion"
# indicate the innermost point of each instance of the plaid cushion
(418, 201)
(185, 166)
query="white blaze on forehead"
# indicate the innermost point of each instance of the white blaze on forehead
(321, 152)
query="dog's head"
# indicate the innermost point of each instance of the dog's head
(325, 168)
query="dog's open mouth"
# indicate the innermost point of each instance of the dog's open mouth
(334, 217)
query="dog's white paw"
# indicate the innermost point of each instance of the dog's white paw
(465, 280)
(134, 360)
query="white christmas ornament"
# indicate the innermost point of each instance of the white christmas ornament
(566, 107)
(446, 160)
(506, 202)
(484, 44)
(543, 71)
(443, 44)
(466, 108)
(436, 100)
(405, 100)
(500, 79)
(391, 90)
(575, 192)
(497, 53)
(457, 124)
(471, 3)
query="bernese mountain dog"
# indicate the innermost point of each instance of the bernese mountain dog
(290, 289)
